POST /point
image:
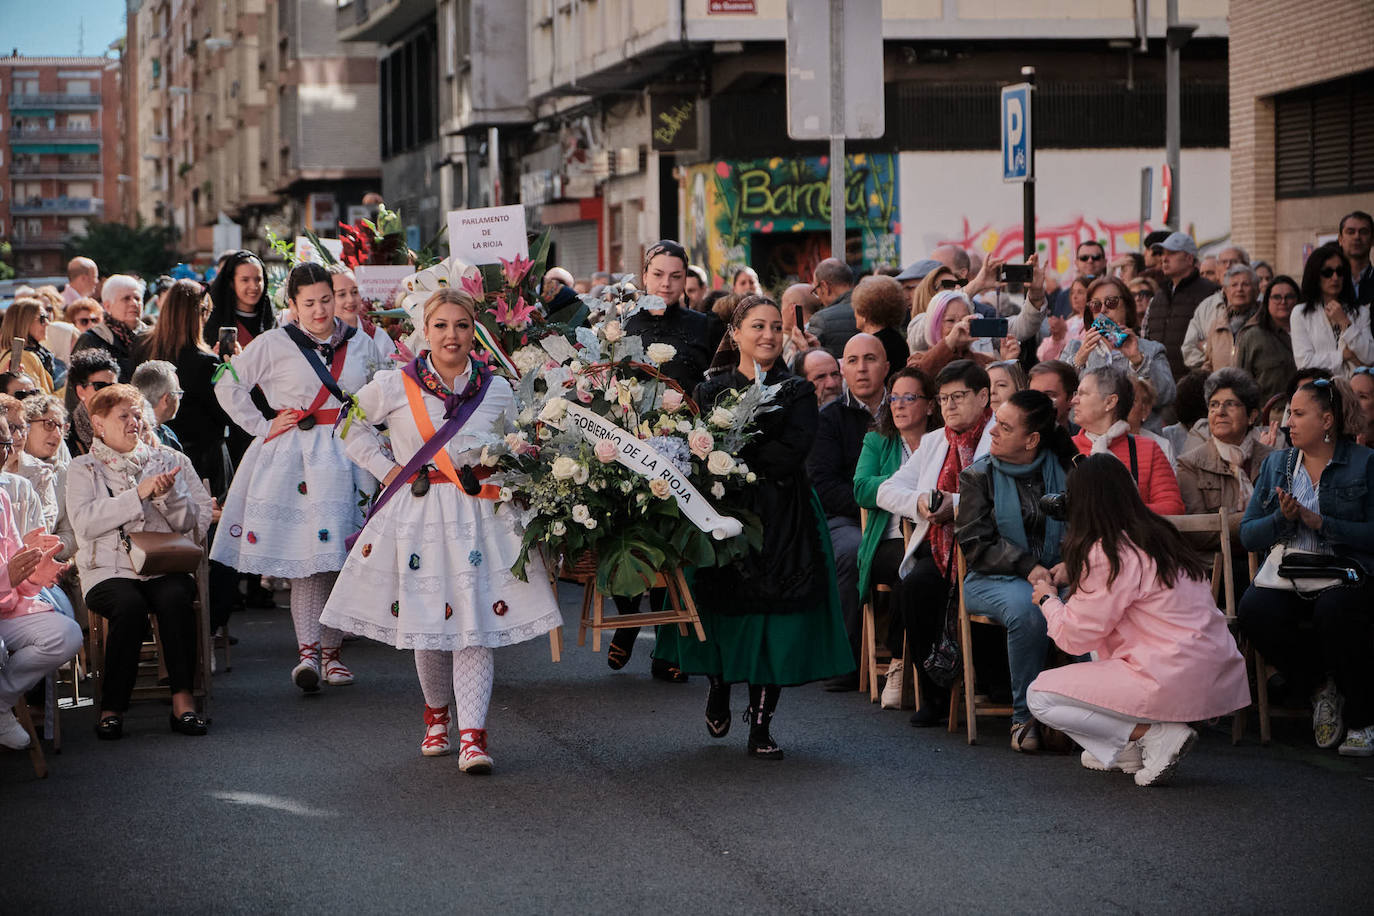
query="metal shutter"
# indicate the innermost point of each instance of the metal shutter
(577, 246)
(1324, 139)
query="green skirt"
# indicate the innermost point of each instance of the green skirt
(786, 649)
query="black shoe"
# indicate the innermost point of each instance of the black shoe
(930, 714)
(842, 684)
(718, 709)
(110, 728)
(666, 671)
(188, 723)
(619, 651)
(762, 701)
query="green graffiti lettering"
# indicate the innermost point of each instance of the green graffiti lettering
(754, 194)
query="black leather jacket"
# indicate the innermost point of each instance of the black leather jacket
(693, 334)
(975, 523)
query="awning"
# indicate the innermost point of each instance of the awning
(21, 111)
(55, 148)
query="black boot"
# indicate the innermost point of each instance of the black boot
(763, 699)
(718, 707)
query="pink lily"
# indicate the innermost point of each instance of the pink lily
(515, 317)
(515, 269)
(472, 285)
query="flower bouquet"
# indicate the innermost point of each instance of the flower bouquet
(611, 457)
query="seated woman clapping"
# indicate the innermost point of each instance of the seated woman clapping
(38, 639)
(1318, 497)
(125, 485)
(1140, 601)
(1103, 401)
(1010, 541)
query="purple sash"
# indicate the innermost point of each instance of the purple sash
(458, 408)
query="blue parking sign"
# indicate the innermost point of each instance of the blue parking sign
(1016, 132)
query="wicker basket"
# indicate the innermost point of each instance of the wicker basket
(581, 565)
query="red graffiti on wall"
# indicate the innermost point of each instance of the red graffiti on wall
(1055, 241)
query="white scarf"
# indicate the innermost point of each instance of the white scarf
(131, 466)
(1103, 443)
(1235, 457)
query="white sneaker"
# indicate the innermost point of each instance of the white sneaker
(892, 689)
(1328, 725)
(1161, 748)
(1128, 761)
(12, 734)
(1359, 742)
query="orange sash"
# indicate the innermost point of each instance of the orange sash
(442, 461)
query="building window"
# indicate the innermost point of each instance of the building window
(409, 109)
(1324, 138)
(78, 87)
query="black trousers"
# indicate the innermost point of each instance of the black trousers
(922, 597)
(1312, 639)
(883, 571)
(126, 604)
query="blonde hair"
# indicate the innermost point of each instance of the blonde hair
(449, 296)
(926, 290)
(107, 399)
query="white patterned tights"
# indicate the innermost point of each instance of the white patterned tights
(467, 677)
(308, 596)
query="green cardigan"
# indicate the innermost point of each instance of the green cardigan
(879, 460)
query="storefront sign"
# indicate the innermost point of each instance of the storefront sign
(674, 121)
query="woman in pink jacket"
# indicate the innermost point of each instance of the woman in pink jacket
(1139, 601)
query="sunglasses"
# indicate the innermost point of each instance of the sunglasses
(1157, 250)
(86, 322)
(1329, 272)
(949, 283)
(26, 393)
(1109, 302)
(1092, 257)
(100, 386)
(1142, 294)
(1363, 370)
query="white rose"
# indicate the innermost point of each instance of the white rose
(507, 494)
(558, 529)
(719, 463)
(721, 418)
(526, 416)
(580, 513)
(659, 487)
(563, 467)
(528, 358)
(751, 477)
(684, 426)
(660, 353)
(718, 490)
(612, 331)
(589, 524)
(554, 410)
(582, 474)
(575, 366)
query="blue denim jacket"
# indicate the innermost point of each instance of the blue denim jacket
(1345, 498)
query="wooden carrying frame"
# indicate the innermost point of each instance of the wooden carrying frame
(681, 610)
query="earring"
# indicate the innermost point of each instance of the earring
(1327, 437)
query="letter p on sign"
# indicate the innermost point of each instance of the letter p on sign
(1016, 134)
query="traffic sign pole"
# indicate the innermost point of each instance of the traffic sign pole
(1028, 187)
(837, 116)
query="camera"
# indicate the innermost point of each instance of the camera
(1055, 505)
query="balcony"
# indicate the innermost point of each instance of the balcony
(58, 100)
(38, 241)
(67, 167)
(53, 135)
(58, 206)
(380, 20)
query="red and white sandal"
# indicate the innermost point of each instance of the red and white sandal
(472, 751)
(306, 674)
(436, 732)
(336, 673)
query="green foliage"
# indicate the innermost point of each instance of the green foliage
(6, 269)
(117, 248)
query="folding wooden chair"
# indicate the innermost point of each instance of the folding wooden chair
(873, 660)
(40, 765)
(972, 707)
(1261, 673)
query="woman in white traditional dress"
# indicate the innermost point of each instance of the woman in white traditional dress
(350, 307)
(296, 496)
(431, 569)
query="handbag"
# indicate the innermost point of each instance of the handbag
(944, 664)
(159, 553)
(1308, 574)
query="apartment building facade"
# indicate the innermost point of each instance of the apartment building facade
(60, 154)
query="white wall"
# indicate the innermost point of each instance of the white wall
(959, 197)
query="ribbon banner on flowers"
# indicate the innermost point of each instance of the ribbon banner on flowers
(637, 455)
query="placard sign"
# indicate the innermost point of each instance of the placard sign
(379, 283)
(306, 253)
(637, 455)
(488, 234)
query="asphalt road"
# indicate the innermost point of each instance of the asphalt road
(609, 797)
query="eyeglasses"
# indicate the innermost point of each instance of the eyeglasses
(906, 398)
(1228, 404)
(1142, 294)
(954, 398)
(26, 393)
(50, 424)
(86, 322)
(1092, 257)
(177, 392)
(1282, 297)
(1110, 302)
(6, 445)
(949, 283)
(1329, 272)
